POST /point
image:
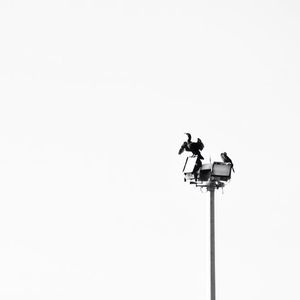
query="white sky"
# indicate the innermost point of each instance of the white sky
(95, 97)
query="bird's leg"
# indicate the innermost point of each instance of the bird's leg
(195, 176)
(197, 167)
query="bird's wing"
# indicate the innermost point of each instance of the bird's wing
(228, 159)
(182, 148)
(200, 144)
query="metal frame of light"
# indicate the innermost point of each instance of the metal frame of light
(217, 171)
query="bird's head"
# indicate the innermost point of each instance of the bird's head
(189, 135)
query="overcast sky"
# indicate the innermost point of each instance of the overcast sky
(95, 97)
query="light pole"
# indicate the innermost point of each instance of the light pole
(211, 177)
(211, 186)
(212, 244)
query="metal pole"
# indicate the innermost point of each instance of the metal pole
(212, 244)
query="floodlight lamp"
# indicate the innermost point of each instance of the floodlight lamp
(221, 171)
(205, 172)
(189, 164)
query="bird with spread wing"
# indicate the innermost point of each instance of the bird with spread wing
(195, 148)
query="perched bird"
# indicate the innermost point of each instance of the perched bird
(194, 147)
(226, 159)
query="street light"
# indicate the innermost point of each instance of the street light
(210, 176)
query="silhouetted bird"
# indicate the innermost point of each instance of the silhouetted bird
(194, 147)
(226, 159)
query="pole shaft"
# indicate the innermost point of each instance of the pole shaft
(212, 245)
